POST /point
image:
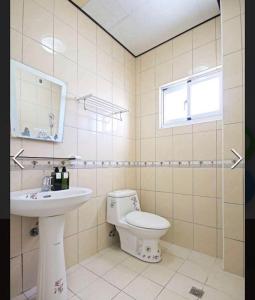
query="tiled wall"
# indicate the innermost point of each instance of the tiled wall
(190, 197)
(233, 131)
(91, 62)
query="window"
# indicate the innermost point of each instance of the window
(191, 100)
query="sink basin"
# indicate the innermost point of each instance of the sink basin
(50, 207)
(34, 203)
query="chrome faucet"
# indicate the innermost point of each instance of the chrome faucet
(46, 184)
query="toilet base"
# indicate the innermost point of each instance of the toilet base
(145, 249)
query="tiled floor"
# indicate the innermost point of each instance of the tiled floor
(113, 274)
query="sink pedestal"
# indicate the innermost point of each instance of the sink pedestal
(51, 281)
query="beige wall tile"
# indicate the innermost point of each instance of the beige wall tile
(104, 65)
(148, 102)
(88, 215)
(169, 236)
(16, 45)
(148, 149)
(233, 134)
(205, 211)
(30, 262)
(87, 144)
(119, 179)
(182, 43)
(87, 178)
(233, 186)
(204, 57)
(38, 22)
(232, 74)
(104, 240)
(204, 145)
(233, 105)
(65, 11)
(101, 209)
(15, 235)
(104, 181)
(233, 221)
(182, 180)
(15, 276)
(164, 52)
(182, 147)
(232, 35)
(147, 80)
(104, 41)
(71, 250)
(219, 52)
(15, 180)
(148, 126)
(85, 248)
(183, 234)
(148, 60)
(164, 180)
(29, 242)
(86, 27)
(16, 14)
(69, 145)
(183, 207)
(35, 56)
(219, 212)
(230, 9)
(87, 84)
(163, 74)
(71, 223)
(182, 66)
(218, 27)
(148, 179)
(68, 36)
(207, 126)
(204, 182)
(234, 256)
(164, 148)
(164, 204)
(147, 201)
(220, 243)
(205, 240)
(204, 34)
(182, 129)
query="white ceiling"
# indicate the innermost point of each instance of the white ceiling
(143, 24)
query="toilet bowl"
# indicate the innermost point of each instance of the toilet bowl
(139, 231)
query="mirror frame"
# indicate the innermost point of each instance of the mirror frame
(14, 116)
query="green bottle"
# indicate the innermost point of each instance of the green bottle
(64, 179)
(56, 180)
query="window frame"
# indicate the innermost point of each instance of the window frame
(199, 118)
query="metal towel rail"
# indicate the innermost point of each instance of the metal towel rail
(102, 107)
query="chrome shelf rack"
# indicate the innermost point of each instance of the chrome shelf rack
(102, 107)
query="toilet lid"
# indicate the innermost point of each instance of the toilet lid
(146, 220)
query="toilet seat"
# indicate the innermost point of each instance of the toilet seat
(146, 220)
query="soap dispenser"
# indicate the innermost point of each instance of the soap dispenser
(64, 179)
(56, 180)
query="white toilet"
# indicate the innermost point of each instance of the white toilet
(139, 231)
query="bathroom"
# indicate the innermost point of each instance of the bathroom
(117, 133)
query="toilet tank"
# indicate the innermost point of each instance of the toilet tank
(120, 203)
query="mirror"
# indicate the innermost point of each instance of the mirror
(37, 104)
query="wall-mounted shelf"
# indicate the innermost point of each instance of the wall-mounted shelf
(102, 107)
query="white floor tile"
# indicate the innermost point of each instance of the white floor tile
(98, 290)
(170, 261)
(202, 259)
(142, 288)
(228, 283)
(120, 276)
(158, 274)
(176, 250)
(212, 294)
(170, 295)
(100, 265)
(135, 264)
(181, 285)
(194, 271)
(122, 296)
(31, 293)
(79, 279)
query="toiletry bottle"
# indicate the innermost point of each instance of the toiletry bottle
(64, 179)
(56, 180)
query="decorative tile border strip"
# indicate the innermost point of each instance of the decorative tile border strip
(48, 164)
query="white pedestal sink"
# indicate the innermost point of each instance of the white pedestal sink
(50, 207)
